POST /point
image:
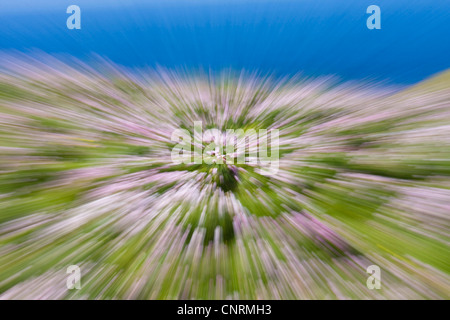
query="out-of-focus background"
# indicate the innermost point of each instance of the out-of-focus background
(327, 37)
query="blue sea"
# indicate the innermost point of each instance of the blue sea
(279, 37)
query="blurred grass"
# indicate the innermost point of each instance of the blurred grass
(86, 178)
